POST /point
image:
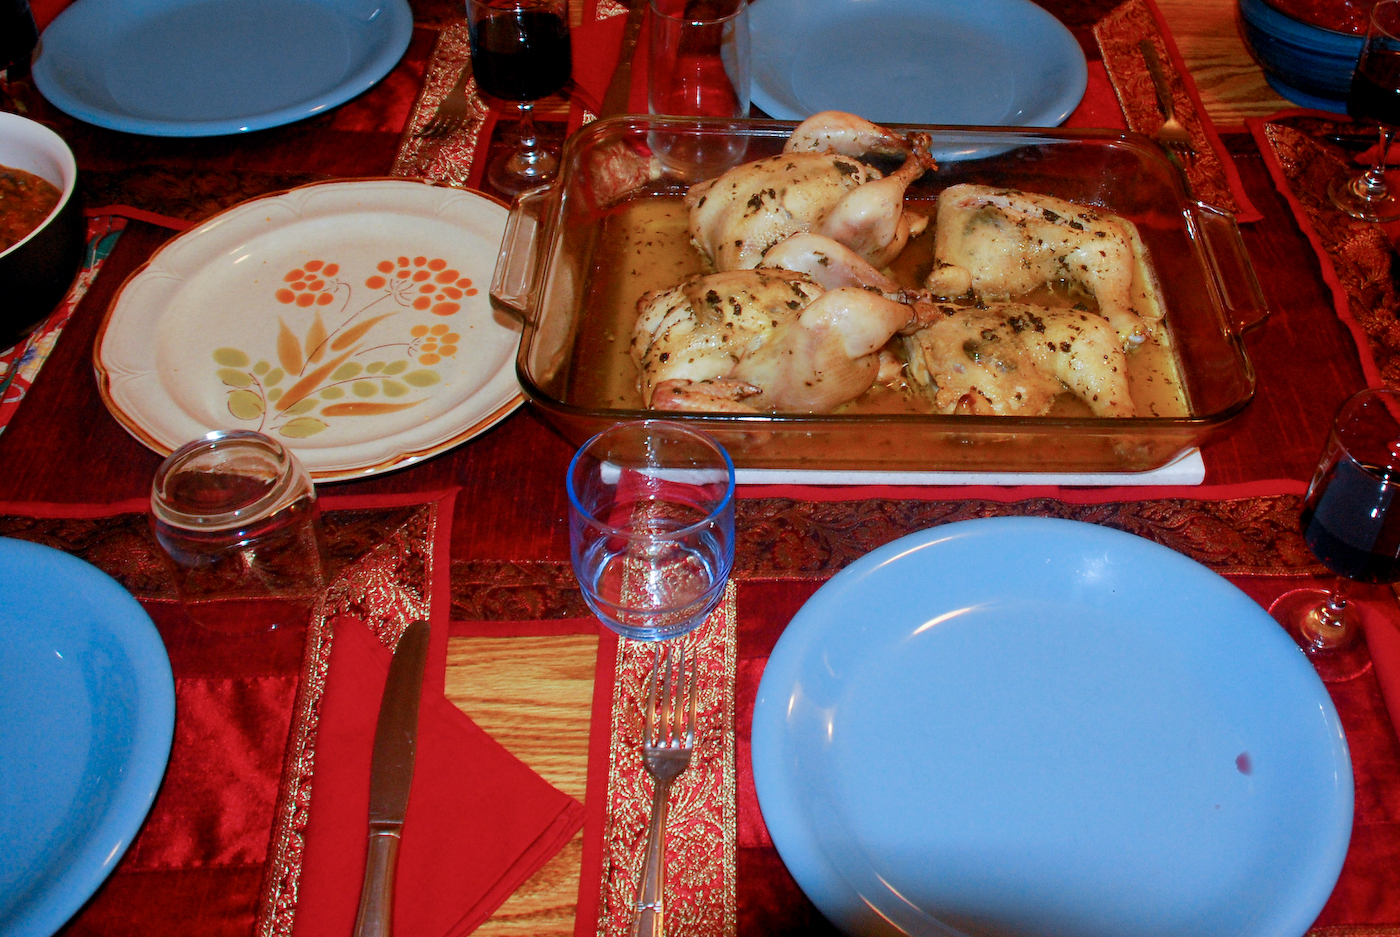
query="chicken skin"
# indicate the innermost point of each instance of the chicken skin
(816, 185)
(762, 339)
(1016, 358)
(1003, 243)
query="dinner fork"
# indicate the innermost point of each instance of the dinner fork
(453, 110)
(1171, 134)
(668, 741)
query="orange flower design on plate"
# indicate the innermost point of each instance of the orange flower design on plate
(339, 354)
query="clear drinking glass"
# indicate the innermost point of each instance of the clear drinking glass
(651, 527)
(698, 65)
(521, 53)
(1351, 522)
(1374, 95)
(237, 515)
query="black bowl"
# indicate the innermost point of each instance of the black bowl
(37, 270)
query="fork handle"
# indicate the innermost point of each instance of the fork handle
(651, 898)
(1159, 79)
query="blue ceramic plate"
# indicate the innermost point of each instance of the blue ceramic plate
(198, 68)
(89, 708)
(1307, 64)
(1035, 726)
(992, 62)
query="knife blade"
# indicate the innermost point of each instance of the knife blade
(620, 88)
(391, 777)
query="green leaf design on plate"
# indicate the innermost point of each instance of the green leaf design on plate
(394, 388)
(234, 378)
(275, 394)
(230, 358)
(274, 377)
(395, 367)
(302, 427)
(332, 393)
(422, 378)
(244, 405)
(304, 405)
(346, 371)
(364, 388)
(261, 368)
(374, 367)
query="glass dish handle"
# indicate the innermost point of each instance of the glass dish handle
(1233, 270)
(513, 281)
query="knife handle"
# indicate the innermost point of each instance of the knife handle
(377, 898)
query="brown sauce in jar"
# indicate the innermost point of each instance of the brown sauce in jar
(25, 201)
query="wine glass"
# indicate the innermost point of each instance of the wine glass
(651, 527)
(1374, 95)
(1349, 525)
(520, 52)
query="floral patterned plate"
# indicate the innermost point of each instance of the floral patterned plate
(348, 319)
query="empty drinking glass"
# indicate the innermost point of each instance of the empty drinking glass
(237, 515)
(698, 66)
(651, 527)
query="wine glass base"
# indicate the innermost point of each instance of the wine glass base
(1348, 192)
(1337, 654)
(515, 172)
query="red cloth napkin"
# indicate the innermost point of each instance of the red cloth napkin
(595, 46)
(1383, 641)
(479, 820)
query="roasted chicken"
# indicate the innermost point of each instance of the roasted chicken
(1002, 244)
(763, 339)
(818, 184)
(1016, 358)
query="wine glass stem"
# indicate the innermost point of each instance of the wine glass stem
(528, 140)
(1333, 612)
(1372, 184)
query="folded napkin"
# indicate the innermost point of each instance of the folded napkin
(479, 820)
(1383, 641)
(595, 47)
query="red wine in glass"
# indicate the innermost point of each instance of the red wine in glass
(521, 55)
(1348, 523)
(1374, 95)
(520, 52)
(1351, 523)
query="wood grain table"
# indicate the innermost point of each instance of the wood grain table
(1231, 84)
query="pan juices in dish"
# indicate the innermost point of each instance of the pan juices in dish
(644, 245)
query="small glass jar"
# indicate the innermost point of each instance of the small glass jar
(237, 515)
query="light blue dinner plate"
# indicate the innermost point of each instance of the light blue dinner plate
(993, 62)
(88, 710)
(198, 68)
(1036, 726)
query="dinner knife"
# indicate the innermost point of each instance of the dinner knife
(620, 88)
(390, 777)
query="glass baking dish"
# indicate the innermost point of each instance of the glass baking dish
(562, 272)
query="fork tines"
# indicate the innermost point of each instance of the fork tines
(670, 721)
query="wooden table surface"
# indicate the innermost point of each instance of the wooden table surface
(533, 694)
(1232, 86)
